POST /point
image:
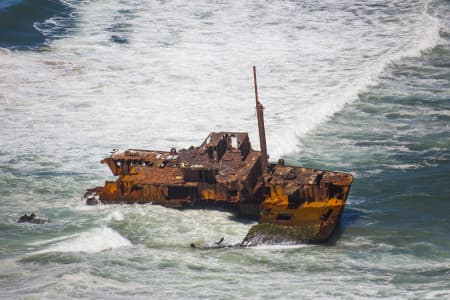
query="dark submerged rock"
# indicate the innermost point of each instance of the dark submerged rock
(270, 234)
(31, 219)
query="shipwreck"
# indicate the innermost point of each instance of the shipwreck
(292, 204)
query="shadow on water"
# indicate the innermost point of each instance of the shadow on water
(349, 217)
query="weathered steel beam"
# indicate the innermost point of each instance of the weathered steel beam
(261, 128)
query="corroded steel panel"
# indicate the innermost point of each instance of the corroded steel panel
(305, 204)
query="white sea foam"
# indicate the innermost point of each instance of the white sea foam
(177, 79)
(92, 241)
(281, 246)
(185, 71)
(402, 166)
(116, 215)
(48, 241)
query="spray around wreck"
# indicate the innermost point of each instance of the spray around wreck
(292, 204)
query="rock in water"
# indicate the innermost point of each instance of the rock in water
(271, 234)
(31, 219)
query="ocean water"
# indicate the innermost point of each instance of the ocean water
(355, 86)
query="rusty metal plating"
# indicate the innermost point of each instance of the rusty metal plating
(290, 202)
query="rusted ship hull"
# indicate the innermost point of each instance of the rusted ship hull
(292, 204)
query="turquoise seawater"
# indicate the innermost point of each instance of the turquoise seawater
(356, 86)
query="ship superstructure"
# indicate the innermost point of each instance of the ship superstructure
(290, 202)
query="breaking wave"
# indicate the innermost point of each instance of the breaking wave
(92, 241)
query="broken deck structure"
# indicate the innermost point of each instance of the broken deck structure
(293, 204)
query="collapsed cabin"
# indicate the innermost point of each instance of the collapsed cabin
(223, 170)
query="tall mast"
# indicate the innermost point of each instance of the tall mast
(262, 132)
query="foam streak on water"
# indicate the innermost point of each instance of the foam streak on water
(91, 242)
(360, 86)
(178, 76)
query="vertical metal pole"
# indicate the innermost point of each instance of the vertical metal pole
(262, 132)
